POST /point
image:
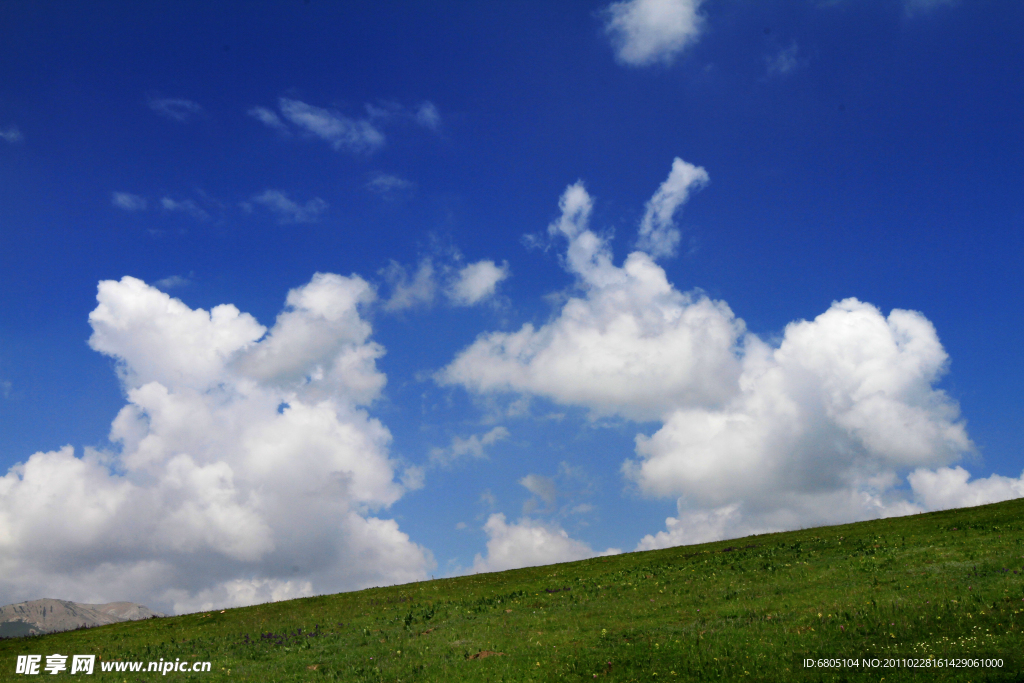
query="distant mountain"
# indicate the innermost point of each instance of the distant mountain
(48, 615)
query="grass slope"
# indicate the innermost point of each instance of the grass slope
(944, 584)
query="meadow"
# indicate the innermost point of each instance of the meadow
(944, 587)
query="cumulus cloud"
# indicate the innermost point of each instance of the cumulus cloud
(475, 282)
(820, 428)
(529, 543)
(844, 398)
(342, 132)
(226, 426)
(628, 345)
(11, 134)
(176, 109)
(948, 487)
(128, 201)
(473, 446)
(289, 211)
(658, 235)
(645, 32)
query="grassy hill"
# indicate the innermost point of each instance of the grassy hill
(941, 585)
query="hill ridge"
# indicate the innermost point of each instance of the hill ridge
(48, 615)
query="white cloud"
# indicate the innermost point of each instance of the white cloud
(783, 61)
(476, 282)
(409, 292)
(568, 486)
(948, 487)
(172, 282)
(658, 235)
(629, 345)
(462, 285)
(818, 432)
(239, 592)
(820, 429)
(176, 109)
(428, 116)
(186, 206)
(11, 134)
(529, 543)
(644, 32)
(358, 135)
(473, 446)
(413, 477)
(542, 487)
(320, 345)
(389, 186)
(268, 118)
(128, 201)
(227, 425)
(337, 129)
(842, 405)
(289, 211)
(693, 527)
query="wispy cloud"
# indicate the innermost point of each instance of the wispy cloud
(488, 499)
(176, 109)
(11, 134)
(268, 118)
(658, 235)
(462, 285)
(128, 201)
(289, 211)
(473, 446)
(645, 32)
(428, 116)
(172, 282)
(541, 486)
(389, 186)
(340, 131)
(359, 135)
(406, 291)
(186, 206)
(783, 61)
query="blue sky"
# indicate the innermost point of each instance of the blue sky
(498, 284)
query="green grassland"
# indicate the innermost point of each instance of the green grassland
(946, 585)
